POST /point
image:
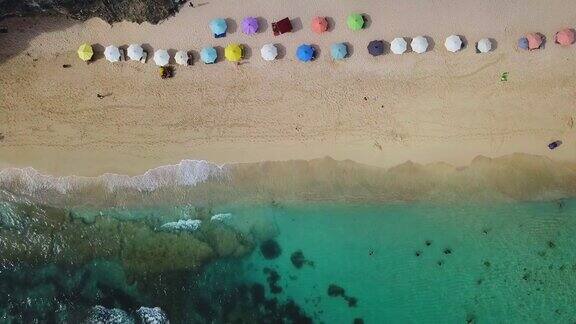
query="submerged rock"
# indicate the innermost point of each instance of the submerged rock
(270, 249)
(335, 291)
(273, 279)
(298, 260)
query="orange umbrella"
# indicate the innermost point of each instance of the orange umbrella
(534, 40)
(319, 25)
(564, 37)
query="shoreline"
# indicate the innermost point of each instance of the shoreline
(516, 177)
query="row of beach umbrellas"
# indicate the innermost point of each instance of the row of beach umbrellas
(251, 25)
(269, 52)
(306, 52)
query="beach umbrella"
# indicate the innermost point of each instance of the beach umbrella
(535, 40)
(453, 43)
(339, 51)
(484, 45)
(305, 53)
(269, 52)
(565, 37)
(181, 57)
(218, 26)
(319, 25)
(112, 53)
(419, 44)
(135, 52)
(161, 57)
(376, 47)
(355, 21)
(523, 43)
(208, 55)
(398, 45)
(85, 52)
(233, 52)
(250, 25)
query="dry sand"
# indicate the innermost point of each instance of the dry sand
(380, 111)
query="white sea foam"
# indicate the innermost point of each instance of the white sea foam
(221, 217)
(186, 173)
(189, 225)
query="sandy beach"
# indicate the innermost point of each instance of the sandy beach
(380, 111)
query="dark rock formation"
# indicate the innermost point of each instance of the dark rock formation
(270, 249)
(111, 11)
(298, 260)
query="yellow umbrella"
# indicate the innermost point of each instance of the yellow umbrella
(233, 52)
(85, 52)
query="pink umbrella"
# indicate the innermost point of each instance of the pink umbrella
(250, 25)
(319, 25)
(565, 37)
(534, 40)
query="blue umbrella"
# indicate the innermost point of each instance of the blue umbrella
(218, 26)
(339, 51)
(208, 55)
(305, 53)
(523, 43)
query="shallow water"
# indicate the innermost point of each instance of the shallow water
(403, 263)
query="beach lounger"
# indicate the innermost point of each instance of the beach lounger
(282, 26)
(144, 57)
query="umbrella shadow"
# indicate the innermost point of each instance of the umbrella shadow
(232, 26)
(220, 52)
(98, 51)
(194, 57)
(349, 48)
(386, 46)
(464, 42)
(331, 23)
(544, 40)
(317, 51)
(408, 41)
(367, 20)
(494, 44)
(149, 50)
(296, 24)
(262, 24)
(431, 43)
(246, 52)
(281, 51)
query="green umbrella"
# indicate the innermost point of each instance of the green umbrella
(355, 21)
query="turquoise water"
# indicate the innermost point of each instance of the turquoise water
(397, 263)
(510, 263)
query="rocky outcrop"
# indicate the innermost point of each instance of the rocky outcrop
(111, 11)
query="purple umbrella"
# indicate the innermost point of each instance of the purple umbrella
(250, 25)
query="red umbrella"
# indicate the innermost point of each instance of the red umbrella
(564, 37)
(534, 41)
(319, 25)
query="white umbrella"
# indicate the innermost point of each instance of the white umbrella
(453, 43)
(112, 53)
(135, 52)
(269, 52)
(419, 44)
(161, 57)
(484, 45)
(398, 45)
(181, 57)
